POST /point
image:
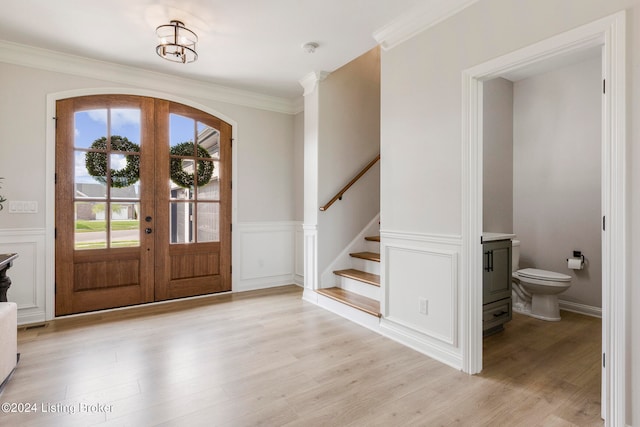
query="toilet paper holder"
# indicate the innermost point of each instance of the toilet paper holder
(576, 255)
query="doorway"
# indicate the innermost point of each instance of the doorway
(143, 202)
(608, 33)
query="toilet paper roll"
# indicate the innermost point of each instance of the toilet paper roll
(575, 263)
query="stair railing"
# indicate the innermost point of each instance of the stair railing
(338, 196)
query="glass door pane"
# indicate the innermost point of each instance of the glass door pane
(194, 176)
(107, 178)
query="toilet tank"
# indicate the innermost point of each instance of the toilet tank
(515, 255)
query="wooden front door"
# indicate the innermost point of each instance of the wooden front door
(143, 202)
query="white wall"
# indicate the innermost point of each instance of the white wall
(298, 166)
(264, 146)
(556, 180)
(497, 148)
(349, 138)
(422, 123)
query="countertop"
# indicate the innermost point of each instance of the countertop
(491, 237)
(5, 259)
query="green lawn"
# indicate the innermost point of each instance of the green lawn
(103, 245)
(100, 225)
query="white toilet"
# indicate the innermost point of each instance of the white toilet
(535, 292)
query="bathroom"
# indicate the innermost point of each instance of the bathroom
(542, 169)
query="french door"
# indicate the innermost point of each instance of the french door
(143, 202)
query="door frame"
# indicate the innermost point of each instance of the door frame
(610, 34)
(50, 159)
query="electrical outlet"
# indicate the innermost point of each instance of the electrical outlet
(424, 306)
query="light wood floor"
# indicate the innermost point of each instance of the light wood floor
(269, 358)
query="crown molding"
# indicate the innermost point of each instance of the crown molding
(311, 80)
(44, 59)
(417, 20)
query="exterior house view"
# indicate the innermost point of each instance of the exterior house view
(422, 212)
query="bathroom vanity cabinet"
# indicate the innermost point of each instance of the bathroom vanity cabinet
(496, 285)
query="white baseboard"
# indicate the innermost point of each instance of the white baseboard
(580, 308)
(264, 283)
(421, 343)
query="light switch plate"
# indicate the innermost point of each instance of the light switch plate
(20, 206)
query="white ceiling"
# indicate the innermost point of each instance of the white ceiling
(246, 44)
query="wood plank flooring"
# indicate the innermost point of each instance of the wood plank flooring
(269, 358)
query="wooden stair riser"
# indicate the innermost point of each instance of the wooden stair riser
(365, 265)
(360, 288)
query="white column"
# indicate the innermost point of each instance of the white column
(311, 86)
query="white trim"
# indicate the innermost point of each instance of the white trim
(440, 239)
(343, 260)
(11, 232)
(610, 33)
(33, 57)
(30, 246)
(426, 15)
(310, 257)
(574, 307)
(259, 240)
(420, 342)
(310, 296)
(452, 256)
(353, 314)
(50, 165)
(311, 81)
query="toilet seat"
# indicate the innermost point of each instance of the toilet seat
(543, 277)
(535, 273)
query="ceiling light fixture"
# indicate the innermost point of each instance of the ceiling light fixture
(177, 42)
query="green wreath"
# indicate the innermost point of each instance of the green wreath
(185, 179)
(96, 162)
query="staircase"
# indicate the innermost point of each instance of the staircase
(359, 287)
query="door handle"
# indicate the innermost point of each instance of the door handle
(148, 219)
(148, 230)
(490, 260)
(487, 265)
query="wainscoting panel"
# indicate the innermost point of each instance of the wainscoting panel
(299, 255)
(420, 281)
(266, 255)
(27, 273)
